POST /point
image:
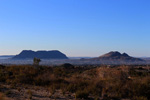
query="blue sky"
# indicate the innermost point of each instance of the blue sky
(75, 27)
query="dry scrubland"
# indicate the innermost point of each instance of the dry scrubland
(74, 82)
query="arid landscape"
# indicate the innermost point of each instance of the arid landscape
(74, 50)
(68, 82)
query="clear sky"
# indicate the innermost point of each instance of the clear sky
(75, 27)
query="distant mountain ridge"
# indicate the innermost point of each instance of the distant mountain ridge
(115, 55)
(29, 54)
(6, 55)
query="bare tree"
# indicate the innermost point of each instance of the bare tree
(36, 61)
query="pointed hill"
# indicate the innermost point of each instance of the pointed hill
(115, 55)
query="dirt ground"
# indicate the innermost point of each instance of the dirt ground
(33, 92)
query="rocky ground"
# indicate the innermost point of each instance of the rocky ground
(33, 92)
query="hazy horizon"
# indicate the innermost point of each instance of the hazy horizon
(77, 56)
(78, 28)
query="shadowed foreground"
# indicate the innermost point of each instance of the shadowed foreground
(74, 82)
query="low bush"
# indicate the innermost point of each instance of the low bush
(2, 97)
(112, 83)
(82, 94)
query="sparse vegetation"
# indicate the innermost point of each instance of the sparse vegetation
(36, 61)
(116, 82)
(29, 92)
(2, 97)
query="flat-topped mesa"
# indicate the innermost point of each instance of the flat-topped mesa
(29, 54)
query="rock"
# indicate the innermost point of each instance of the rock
(29, 54)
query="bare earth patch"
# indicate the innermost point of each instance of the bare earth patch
(28, 92)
